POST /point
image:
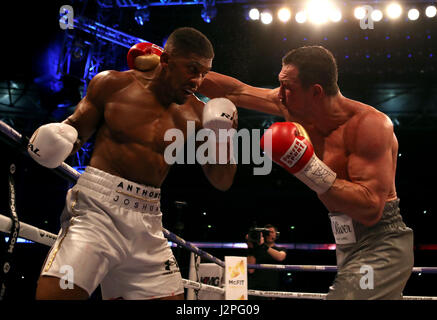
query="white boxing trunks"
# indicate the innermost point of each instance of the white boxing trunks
(111, 234)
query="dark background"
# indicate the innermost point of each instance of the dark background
(392, 67)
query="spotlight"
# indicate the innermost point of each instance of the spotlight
(430, 11)
(142, 16)
(376, 15)
(318, 11)
(413, 14)
(284, 14)
(394, 10)
(254, 14)
(301, 17)
(266, 17)
(335, 15)
(360, 13)
(208, 13)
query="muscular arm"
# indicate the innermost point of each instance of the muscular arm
(221, 176)
(370, 170)
(242, 95)
(89, 110)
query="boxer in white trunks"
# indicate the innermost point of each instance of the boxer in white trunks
(111, 227)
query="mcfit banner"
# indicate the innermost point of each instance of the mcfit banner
(236, 278)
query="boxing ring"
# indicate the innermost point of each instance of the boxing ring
(11, 225)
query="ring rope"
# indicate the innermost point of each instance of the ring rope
(44, 237)
(64, 169)
(279, 294)
(286, 267)
(189, 284)
(7, 261)
(71, 174)
(37, 235)
(41, 236)
(171, 236)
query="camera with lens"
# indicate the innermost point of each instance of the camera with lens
(254, 234)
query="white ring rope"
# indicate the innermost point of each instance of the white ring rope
(305, 267)
(201, 286)
(41, 236)
(28, 232)
(278, 294)
(288, 295)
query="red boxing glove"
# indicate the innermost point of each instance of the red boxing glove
(291, 148)
(151, 53)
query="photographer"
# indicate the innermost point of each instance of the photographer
(262, 250)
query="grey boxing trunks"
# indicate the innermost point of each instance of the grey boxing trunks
(373, 262)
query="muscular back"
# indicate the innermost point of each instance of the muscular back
(130, 124)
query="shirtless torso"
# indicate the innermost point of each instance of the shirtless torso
(131, 124)
(354, 139)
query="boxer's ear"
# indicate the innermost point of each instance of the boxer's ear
(317, 91)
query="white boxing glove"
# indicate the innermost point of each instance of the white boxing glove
(220, 115)
(52, 143)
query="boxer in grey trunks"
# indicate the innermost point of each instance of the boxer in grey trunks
(348, 157)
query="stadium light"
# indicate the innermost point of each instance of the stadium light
(360, 13)
(376, 15)
(284, 14)
(301, 17)
(266, 17)
(394, 10)
(335, 15)
(413, 14)
(318, 11)
(254, 14)
(430, 11)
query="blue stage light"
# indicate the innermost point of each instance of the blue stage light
(142, 16)
(208, 13)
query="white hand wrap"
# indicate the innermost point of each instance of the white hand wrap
(52, 143)
(317, 175)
